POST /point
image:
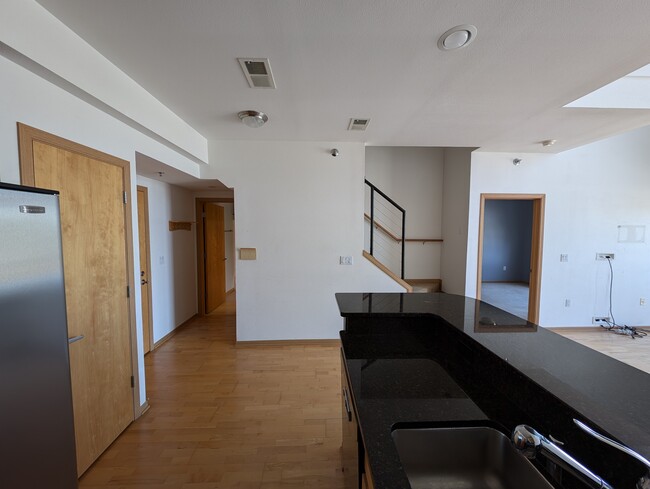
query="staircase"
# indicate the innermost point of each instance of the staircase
(425, 284)
(384, 232)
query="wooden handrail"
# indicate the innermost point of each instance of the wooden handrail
(398, 239)
(387, 271)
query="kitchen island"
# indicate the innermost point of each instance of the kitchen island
(428, 360)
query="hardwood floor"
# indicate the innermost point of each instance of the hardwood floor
(251, 417)
(226, 416)
(633, 352)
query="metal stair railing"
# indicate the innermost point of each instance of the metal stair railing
(389, 217)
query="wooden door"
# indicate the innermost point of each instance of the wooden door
(215, 257)
(536, 260)
(94, 234)
(145, 267)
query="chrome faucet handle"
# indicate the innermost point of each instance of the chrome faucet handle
(644, 482)
(529, 442)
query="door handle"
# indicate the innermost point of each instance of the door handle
(346, 402)
(74, 339)
(144, 282)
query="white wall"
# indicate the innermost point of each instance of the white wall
(29, 29)
(36, 102)
(413, 177)
(455, 208)
(173, 256)
(590, 191)
(301, 209)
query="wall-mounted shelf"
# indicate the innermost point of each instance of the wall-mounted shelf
(180, 226)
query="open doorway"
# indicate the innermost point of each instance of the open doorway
(215, 252)
(510, 252)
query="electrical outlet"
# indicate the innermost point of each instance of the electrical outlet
(604, 256)
(642, 301)
(601, 320)
(567, 302)
(345, 260)
(564, 257)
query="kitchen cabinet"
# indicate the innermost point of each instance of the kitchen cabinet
(350, 434)
(440, 360)
(366, 477)
(354, 462)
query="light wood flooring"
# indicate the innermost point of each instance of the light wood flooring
(226, 416)
(635, 352)
(252, 417)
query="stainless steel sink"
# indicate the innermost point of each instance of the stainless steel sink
(464, 458)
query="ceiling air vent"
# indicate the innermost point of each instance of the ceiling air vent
(358, 124)
(257, 72)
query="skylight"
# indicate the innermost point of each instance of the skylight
(630, 92)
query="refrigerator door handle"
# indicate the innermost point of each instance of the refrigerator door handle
(74, 339)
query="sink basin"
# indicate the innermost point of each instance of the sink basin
(464, 458)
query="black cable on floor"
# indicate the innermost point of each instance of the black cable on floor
(626, 330)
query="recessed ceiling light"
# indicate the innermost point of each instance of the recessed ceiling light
(253, 118)
(457, 37)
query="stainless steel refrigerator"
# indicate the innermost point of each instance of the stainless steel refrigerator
(37, 445)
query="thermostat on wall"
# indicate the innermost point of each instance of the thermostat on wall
(248, 253)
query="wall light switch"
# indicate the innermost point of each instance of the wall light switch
(345, 260)
(248, 253)
(161, 260)
(564, 257)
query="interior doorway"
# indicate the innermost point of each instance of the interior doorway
(510, 252)
(215, 251)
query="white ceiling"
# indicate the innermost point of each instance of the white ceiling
(336, 59)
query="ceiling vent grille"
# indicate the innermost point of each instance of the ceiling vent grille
(257, 72)
(358, 124)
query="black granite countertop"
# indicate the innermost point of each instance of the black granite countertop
(444, 359)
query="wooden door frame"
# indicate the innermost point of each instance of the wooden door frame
(145, 191)
(200, 251)
(536, 247)
(27, 135)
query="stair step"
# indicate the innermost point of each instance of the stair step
(425, 284)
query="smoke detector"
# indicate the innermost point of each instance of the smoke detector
(257, 72)
(358, 124)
